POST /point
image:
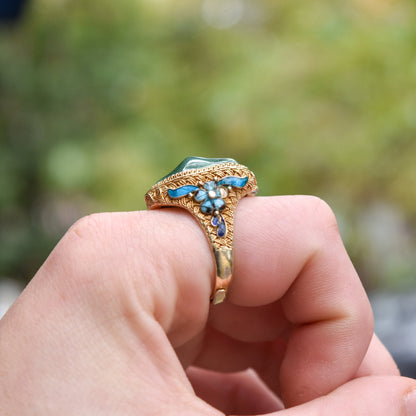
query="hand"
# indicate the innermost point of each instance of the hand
(121, 307)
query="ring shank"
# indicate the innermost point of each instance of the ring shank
(224, 274)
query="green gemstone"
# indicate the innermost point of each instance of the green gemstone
(194, 162)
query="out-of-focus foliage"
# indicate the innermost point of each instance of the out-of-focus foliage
(99, 99)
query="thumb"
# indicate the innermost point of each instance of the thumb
(366, 396)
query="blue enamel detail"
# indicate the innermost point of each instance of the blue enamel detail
(207, 207)
(201, 195)
(219, 204)
(209, 186)
(210, 203)
(222, 229)
(218, 221)
(182, 191)
(211, 195)
(233, 181)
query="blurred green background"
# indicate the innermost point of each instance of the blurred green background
(99, 99)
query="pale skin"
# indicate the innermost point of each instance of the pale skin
(121, 308)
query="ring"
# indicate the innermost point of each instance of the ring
(210, 190)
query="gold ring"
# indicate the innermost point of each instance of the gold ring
(210, 190)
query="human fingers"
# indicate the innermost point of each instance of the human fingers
(288, 250)
(365, 396)
(134, 277)
(234, 393)
(377, 361)
(243, 394)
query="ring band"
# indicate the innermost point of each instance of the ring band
(210, 190)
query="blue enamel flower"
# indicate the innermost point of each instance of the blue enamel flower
(212, 194)
(211, 197)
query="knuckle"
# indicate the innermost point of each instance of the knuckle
(88, 227)
(324, 216)
(321, 227)
(83, 245)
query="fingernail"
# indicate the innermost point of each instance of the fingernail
(411, 403)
